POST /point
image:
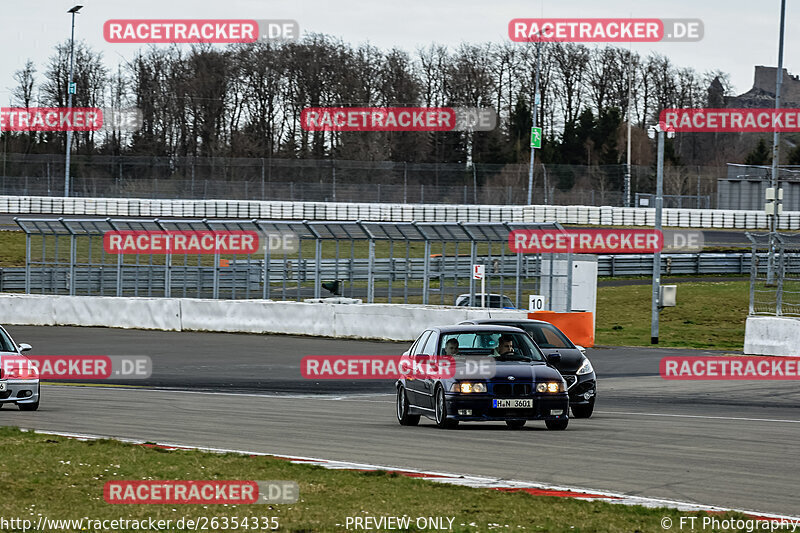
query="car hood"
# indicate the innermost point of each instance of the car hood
(525, 372)
(571, 359)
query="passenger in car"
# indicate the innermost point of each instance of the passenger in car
(451, 347)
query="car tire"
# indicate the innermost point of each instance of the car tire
(31, 406)
(401, 410)
(515, 424)
(583, 411)
(440, 411)
(557, 425)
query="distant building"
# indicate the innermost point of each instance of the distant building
(762, 94)
(745, 186)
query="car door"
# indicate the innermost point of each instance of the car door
(414, 387)
(429, 350)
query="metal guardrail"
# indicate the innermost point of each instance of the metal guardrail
(247, 277)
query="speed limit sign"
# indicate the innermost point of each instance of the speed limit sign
(535, 302)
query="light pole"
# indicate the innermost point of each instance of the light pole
(536, 100)
(70, 92)
(655, 306)
(773, 226)
(628, 166)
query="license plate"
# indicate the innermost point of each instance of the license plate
(2, 386)
(518, 404)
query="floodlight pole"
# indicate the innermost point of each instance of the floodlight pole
(534, 116)
(627, 198)
(73, 11)
(773, 218)
(655, 304)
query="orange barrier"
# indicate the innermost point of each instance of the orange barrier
(579, 327)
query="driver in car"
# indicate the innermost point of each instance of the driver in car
(505, 346)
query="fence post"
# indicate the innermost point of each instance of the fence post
(753, 272)
(405, 182)
(28, 261)
(426, 272)
(119, 274)
(780, 274)
(371, 273)
(262, 178)
(317, 268)
(72, 259)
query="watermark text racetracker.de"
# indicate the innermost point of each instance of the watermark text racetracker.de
(395, 367)
(605, 30)
(82, 367)
(603, 241)
(48, 119)
(193, 242)
(731, 120)
(716, 524)
(218, 31)
(196, 492)
(398, 119)
(730, 368)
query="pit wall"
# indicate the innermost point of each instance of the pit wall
(395, 322)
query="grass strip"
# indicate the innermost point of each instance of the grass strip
(63, 478)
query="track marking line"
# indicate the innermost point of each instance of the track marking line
(505, 485)
(708, 417)
(278, 396)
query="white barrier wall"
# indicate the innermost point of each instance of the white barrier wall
(273, 210)
(771, 335)
(138, 313)
(368, 321)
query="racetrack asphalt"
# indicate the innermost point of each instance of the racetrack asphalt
(729, 444)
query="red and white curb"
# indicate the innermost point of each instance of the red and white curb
(478, 482)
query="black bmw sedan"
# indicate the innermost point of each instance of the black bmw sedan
(500, 375)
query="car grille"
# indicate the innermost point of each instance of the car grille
(512, 389)
(570, 379)
(584, 387)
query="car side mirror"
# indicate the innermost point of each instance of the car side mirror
(554, 358)
(24, 347)
(581, 348)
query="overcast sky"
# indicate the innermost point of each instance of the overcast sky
(738, 33)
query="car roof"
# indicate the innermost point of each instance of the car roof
(479, 293)
(506, 321)
(466, 328)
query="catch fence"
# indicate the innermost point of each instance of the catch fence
(393, 262)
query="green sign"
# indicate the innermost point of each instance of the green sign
(536, 137)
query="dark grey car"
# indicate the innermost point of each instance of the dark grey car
(573, 365)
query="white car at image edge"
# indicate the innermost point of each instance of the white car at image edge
(14, 388)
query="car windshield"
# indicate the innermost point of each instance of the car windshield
(548, 336)
(5, 342)
(502, 346)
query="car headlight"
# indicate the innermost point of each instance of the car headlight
(552, 386)
(585, 368)
(467, 387)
